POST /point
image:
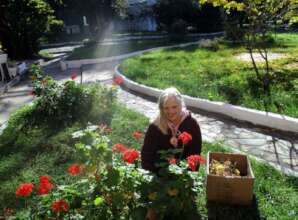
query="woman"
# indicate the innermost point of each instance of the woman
(162, 134)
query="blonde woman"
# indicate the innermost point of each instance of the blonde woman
(162, 134)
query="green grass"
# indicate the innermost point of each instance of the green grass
(217, 75)
(99, 51)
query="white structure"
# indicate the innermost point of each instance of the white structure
(4, 72)
(142, 17)
(8, 73)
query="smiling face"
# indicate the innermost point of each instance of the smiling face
(172, 110)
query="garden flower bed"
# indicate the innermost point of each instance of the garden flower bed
(88, 171)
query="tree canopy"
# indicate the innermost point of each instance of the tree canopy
(22, 23)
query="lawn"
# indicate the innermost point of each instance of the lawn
(213, 72)
(33, 148)
(98, 51)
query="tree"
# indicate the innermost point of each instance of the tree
(22, 23)
(171, 13)
(261, 18)
(99, 13)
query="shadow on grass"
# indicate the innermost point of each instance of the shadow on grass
(223, 211)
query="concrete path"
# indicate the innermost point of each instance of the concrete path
(279, 150)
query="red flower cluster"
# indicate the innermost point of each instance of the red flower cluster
(118, 80)
(172, 161)
(74, 170)
(120, 148)
(59, 206)
(137, 135)
(45, 185)
(130, 155)
(24, 190)
(194, 160)
(185, 137)
(73, 76)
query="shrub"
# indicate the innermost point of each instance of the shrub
(63, 104)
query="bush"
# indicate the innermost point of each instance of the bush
(63, 104)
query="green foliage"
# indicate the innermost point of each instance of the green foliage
(107, 186)
(23, 23)
(70, 102)
(261, 18)
(175, 16)
(124, 123)
(31, 147)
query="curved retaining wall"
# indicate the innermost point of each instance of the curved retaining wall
(267, 119)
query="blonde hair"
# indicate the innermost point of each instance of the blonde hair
(161, 121)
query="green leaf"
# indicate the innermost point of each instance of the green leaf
(98, 201)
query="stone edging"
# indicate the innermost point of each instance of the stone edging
(270, 120)
(65, 64)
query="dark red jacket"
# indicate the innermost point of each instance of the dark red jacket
(155, 140)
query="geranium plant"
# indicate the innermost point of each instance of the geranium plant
(108, 183)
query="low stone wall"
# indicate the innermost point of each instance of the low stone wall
(267, 119)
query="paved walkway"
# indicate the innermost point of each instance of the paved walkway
(279, 150)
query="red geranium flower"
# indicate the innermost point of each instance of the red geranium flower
(194, 160)
(73, 76)
(119, 148)
(172, 161)
(137, 135)
(45, 185)
(59, 206)
(44, 189)
(74, 170)
(25, 189)
(118, 80)
(130, 155)
(185, 137)
(44, 179)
